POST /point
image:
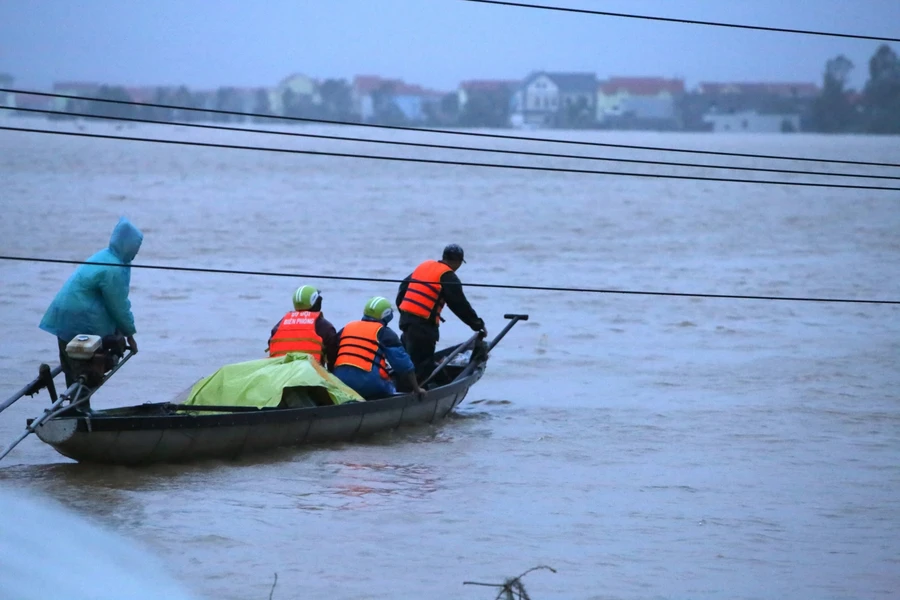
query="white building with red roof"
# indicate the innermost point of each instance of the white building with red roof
(636, 100)
(779, 89)
(763, 107)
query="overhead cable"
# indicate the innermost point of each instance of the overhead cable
(539, 288)
(449, 162)
(448, 147)
(476, 134)
(585, 11)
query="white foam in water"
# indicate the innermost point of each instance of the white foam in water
(48, 551)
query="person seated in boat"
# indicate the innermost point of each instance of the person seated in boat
(305, 329)
(366, 348)
(420, 300)
(94, 300)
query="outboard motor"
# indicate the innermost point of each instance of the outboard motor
(92, 357)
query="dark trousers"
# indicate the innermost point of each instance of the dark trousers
(66, 363)
(420, 340)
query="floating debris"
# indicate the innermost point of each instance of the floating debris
(512, 589)
(274, 583)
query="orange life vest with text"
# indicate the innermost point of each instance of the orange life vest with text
(423, 297)
(359, 347)
(297, 333)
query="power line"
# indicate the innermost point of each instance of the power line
(449, 147)
(478, 285)
(584, 11)
(450, 162)
(497, 136)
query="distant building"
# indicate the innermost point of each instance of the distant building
(31, 101)
(415, 102)
(556, 100)
(750, 121)
(760, 98)
(393, 101)
(363, 88)
(245, 100)
(144, 94)
(577, 98)
(475, 87)
(640, 103)
(755, 92)
(295, 95)
(536, 102)
(81, 89)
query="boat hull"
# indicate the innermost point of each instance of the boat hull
(149, 433)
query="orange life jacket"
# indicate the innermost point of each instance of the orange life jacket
(359, 347)
(423, 297)
(297, 333)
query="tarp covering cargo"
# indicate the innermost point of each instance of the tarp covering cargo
(262, 383)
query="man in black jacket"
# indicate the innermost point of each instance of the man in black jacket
(421, 298)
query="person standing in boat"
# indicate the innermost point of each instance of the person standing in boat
(94, 300)
(421, 299)
(305, 329)
(366, 348)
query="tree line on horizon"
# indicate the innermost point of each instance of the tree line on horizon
(875, 110)
(336, 104)
(837, 109)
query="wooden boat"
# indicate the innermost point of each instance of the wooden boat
(167, 432)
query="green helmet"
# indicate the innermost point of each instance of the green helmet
(379, 308)
(305, 297)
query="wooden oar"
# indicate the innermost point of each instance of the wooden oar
(513, 320)
(57, 409)
(450, 357)
(43, 380)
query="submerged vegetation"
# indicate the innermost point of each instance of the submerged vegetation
(510, 589)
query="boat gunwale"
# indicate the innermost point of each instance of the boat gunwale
(102, 420)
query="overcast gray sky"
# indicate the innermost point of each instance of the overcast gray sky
(436, 43)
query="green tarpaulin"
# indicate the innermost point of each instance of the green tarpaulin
(262, 383)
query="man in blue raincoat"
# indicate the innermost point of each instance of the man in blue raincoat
(94, 300)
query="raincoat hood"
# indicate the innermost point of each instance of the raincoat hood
(94, 300)
(125, 240)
